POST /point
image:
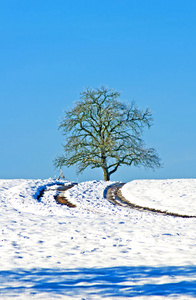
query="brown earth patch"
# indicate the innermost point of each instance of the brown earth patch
(60, 199)
(63, 200)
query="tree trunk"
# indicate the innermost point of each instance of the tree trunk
(104, 166)
(106, 174)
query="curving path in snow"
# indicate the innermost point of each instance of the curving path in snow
(176, 197)
(116, 191)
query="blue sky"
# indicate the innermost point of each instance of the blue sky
(50, 51)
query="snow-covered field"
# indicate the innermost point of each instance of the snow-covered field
(97, 250)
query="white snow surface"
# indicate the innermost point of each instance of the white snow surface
(97, 250)
(176, 196)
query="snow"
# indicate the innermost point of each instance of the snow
(97, 250)
(176, 196)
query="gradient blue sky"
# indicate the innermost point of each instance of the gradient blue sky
(51, 50)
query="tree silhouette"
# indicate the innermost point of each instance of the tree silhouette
(103, 132)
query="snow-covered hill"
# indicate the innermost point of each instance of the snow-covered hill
(97, 250)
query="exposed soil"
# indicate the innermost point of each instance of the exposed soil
(61, 199)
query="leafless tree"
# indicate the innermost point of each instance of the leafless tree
(103, 132)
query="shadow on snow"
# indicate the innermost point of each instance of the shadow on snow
(106, 282)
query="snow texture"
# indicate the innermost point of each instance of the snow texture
(176, 196)
(97, 250)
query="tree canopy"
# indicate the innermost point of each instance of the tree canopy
(103, 132)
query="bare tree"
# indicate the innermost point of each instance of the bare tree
(102, 132)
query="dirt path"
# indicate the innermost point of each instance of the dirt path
(115, 196)
(61, 199)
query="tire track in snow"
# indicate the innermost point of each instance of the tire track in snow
(60, 198)
(114, 195)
